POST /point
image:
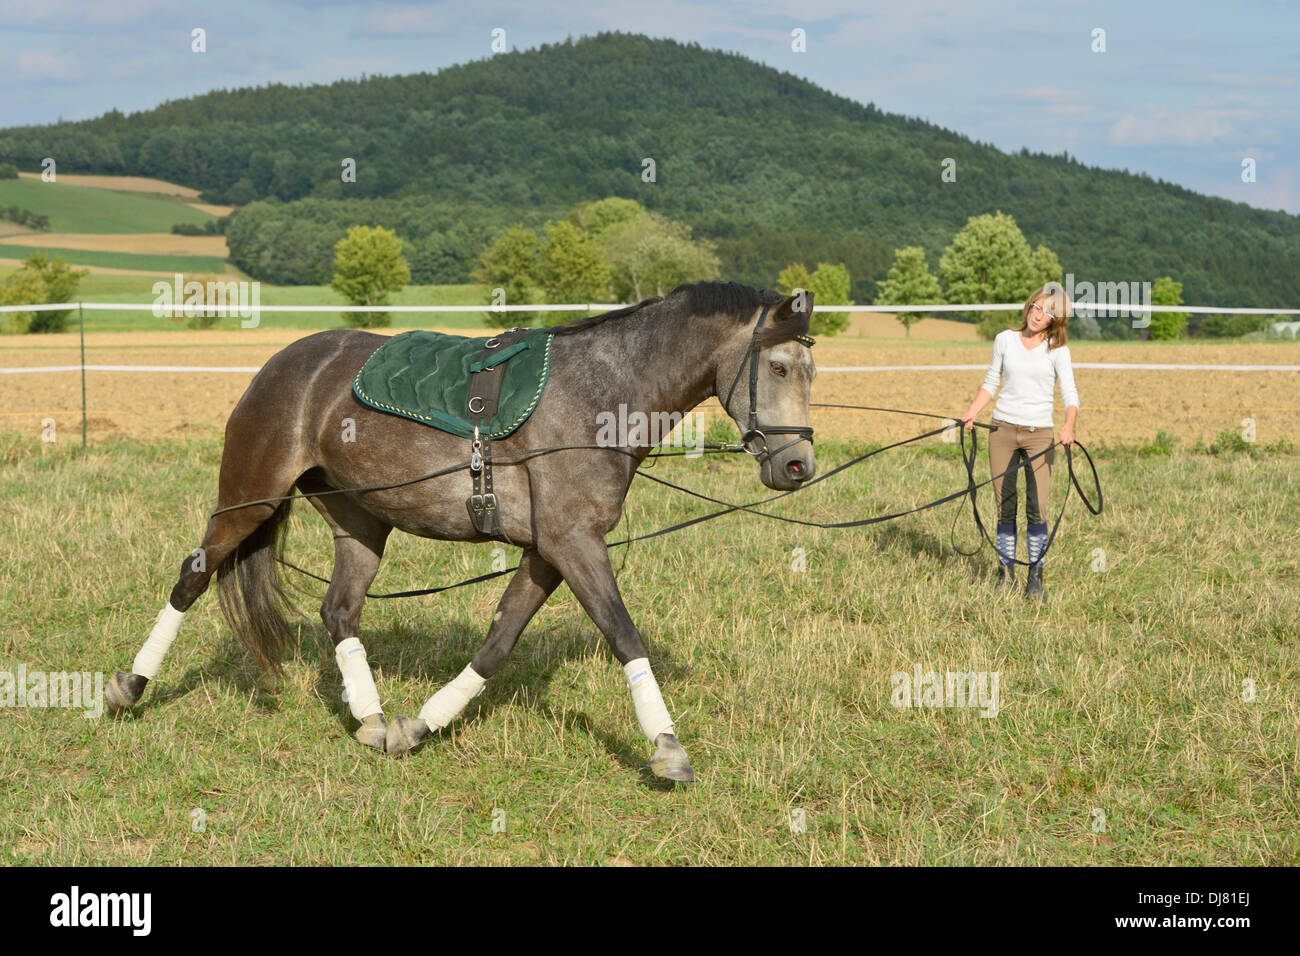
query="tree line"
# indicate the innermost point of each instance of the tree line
(765, 165)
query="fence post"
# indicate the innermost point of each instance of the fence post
(81, 316)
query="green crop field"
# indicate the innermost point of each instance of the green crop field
(191, 265)
(89, 209)
(1154, 693)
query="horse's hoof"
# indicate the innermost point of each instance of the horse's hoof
(404, 734)
(669, 760)
(373, 732)
(123, 692)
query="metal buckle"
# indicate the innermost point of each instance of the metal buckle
(476, 459)
(481, 503)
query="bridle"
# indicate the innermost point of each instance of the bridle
(753, 430)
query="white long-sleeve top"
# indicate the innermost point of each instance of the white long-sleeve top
(1028, 378)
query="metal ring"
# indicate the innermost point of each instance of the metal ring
(749, 437)
(491, 343)
(481, 406)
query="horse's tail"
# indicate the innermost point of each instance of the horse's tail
(252, 597)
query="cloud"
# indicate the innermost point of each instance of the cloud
(71, 16)
(398, 20)
(1156, 126)
(52, 67)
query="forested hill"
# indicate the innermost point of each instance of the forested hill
(769, 165)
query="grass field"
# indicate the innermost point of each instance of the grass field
(1122, 695)
(91, 209)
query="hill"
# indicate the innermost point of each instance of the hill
(767, 164)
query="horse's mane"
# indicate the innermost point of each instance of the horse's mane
(701, 298)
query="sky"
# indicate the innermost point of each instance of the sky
(1183, 91)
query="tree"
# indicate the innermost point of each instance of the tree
(595, 217)
(368, 265)
(990, 261)
(22, 287)
(828, 284)
(1045, 267)
(1167, 325)
(510, 263)
(794, 276)
(572, 270)
(910, 282)
(650, 254)
(1233, 326)
(40, 280)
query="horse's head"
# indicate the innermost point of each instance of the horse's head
(770, 370)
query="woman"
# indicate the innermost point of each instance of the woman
(1028, 361)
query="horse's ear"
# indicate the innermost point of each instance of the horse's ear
(799, 303)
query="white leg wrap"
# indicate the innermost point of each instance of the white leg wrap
(446, 705)
(650, 710)
(150, 658)
(358, 683)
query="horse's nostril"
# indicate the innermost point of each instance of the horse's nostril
(795, 468)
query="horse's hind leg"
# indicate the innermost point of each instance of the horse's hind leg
(255, 465)
(225, 532)
(359, 540)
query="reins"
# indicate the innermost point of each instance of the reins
(972, 486)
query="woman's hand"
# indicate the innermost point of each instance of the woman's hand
(1067, 435)
(968, 420)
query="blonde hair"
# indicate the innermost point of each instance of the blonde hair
(1058, 308)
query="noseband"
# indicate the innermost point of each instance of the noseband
(754, 431)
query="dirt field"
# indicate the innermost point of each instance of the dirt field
(883, 325)
(126, 184)
(142, 243)
(1118, 406)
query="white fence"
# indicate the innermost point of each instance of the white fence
(605, 306)
(241, 309)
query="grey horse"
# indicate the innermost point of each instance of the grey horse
(665, 355)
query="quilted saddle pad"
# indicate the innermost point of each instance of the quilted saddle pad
(424, 376)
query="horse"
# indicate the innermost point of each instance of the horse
(558, 493)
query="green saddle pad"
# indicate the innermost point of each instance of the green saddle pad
(424, 376)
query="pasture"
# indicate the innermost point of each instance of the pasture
(1121, 695)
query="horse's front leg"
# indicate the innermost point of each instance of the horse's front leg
(528, 590)
(584, 562)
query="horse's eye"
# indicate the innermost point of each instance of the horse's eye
(778, 368)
